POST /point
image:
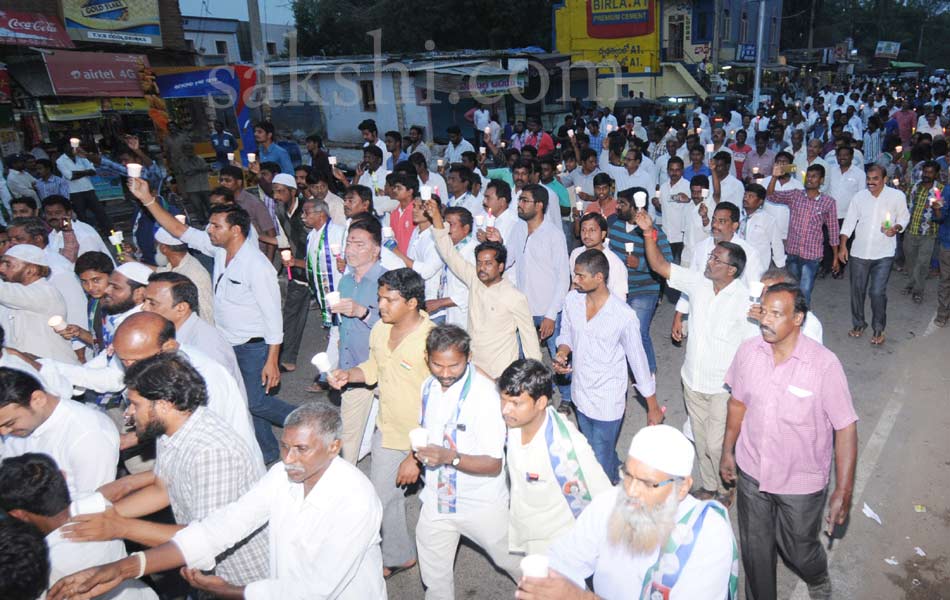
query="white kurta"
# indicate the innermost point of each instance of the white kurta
(618, 575)
(323, 545)
(25, 311)
(67, 557)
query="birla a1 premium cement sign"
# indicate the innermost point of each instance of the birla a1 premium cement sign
(617, 32)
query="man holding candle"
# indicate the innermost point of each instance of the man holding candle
(926, 206)
(875, 216)
(781, 464)
(77, 170)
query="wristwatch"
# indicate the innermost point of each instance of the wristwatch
(457, 459)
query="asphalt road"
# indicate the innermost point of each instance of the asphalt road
(901, 392)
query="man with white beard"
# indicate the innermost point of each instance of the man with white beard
(645, 538)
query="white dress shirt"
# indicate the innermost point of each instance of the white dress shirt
(866, 216)
(86, 235)
(322, 545)
(69, 556)
(539, 513)
(580, 179)
(602, 347)
(246, 294)
(376, 181)
(52, 382)
(674, 213)
(82, 440)
(616, 273)
(455, 288)
(66, 168)
(586, 550)
(843, 186)
(453, 153)
(468, 202)
(438, 185)
(484, 434)
(25, 311)
(754, 265)
(63, 277)
(544, 275)
(197, 333)
(426, 260)
(762, 233)
(731, 190)
(21, 185)
(514, 235)
(623, 179)
(718, 323)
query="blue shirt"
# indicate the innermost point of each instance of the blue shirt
(223, 143)
(278, 155)
(354, 332)
(689, 172)
(402, 157)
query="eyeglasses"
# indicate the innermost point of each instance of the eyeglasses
(712, 257)
(652, 485)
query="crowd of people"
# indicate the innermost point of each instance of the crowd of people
(142, 374)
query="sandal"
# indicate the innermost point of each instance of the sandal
(856, 332)
(399, 569)
(940, 321)
(878, 338)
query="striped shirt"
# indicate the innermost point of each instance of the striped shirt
(806, 217)
(921, 212)
(205, 465)
(54, 186)
(641, 280)
(600, 346)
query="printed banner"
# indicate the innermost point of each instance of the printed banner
(73, 111)
(623, 32)
(32, 29)
(113, 21)
(94, 73)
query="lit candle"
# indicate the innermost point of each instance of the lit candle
(579, 205)
(628, 246)
(230, 156)
(570, 133)
(640, 200)
(488, 131)
(704, 193)
(899, 149)
(440, 162)
(755, 170)
(578, 190)
(610, 128)
(560, 168)
(896, 182)
(286, 255)
(490, 221)
(74, 142)
(887, 220)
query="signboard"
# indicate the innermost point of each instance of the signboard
(887, 50)
(491, 85)
(125, 104)
(113, 21)
(73, 111)
(608, 32)
(94, 73)
(745, 53)
(32, 29)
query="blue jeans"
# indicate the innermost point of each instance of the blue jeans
(804, 270)
(645, 305)
(551, 343)
(266, 411)
(873, 274)
(602, 436)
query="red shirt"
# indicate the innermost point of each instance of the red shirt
(401, 222)
(542, 141)
(606, 211)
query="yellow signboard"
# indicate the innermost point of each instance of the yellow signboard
(127, 22)
(73, 111)
(614, 34)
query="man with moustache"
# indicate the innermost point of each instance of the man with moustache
(323, 519)
(645, 537)
(782, 464)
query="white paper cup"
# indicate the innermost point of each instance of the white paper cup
(286, 254)
(333, 298)
(332, 161)
(134, 170)
(755, 289)
(321, 360)
(57, 323)
(487, 130)
(640, 199)
(535, 565)
(230, 156)
(755, 170)
(704, 193)
(425, 192)
(387, 233)
(570, 133)
(74, 142)
(419, 438)
(335, 249)
(181, 219)
(479, 220)
(628, 246)
(251, 157)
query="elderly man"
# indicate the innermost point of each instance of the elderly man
(719, 305)
(553, 472)
(201, 465)
(82, 440)
(172, 256)
(782, 486)
(27, 303)
(33, 490)
(330, 552)
(650, 521)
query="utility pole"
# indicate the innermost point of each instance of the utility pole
(717, 34)
(811, 25)
(760, 34)
(257, 32)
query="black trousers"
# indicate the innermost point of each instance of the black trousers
(786, 523)
(85, 202)
(296, 307)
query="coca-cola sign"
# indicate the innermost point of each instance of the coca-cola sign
(97, 74)
(32, 29)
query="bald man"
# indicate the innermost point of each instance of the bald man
(146, 334)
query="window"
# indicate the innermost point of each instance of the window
(677, 32)
(221, 46)
(190, 45)
(702, 27)
(272, 48)
(744, 28)
(368, 94)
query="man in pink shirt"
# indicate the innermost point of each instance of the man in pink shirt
(906, 122)
(790, 408)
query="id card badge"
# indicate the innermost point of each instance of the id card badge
(658, 591)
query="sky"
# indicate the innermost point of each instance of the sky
(272, 11)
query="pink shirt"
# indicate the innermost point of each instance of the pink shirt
(792, 410)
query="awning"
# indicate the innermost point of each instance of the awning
(897, 64)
